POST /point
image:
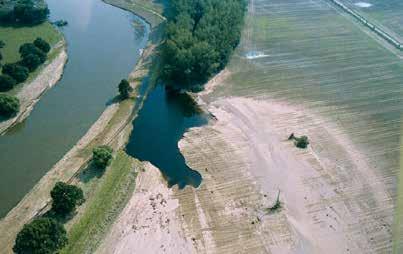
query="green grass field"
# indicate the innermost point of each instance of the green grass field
(15, 37)
(384, 13)
(106, 195)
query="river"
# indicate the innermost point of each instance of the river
(103, 47)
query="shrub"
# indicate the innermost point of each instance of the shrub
(65, 198)
(301, 142)
(42, 45)
(102, 156)
(16, 71)
(124, 89)
(9, 105)
(6, 83)
(41, 236)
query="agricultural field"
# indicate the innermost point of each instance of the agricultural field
(310, 56)
(385, 14)
(305, 52)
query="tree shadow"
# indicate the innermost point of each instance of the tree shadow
(60, 218)
(90, 172)
(114, 100)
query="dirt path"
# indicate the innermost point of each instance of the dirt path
(30, 94)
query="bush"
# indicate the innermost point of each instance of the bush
(9, 105)
(301, 142)
(65, 198)
(41, 236)
(6, 83)
(124, 89)
(16, 71)
(42, 45)
(102, 156)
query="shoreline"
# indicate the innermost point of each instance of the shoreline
(113, 127)
(32, 92)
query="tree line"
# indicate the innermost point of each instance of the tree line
(32, 56)
(46, 234)
(200, 38)
(26, 12)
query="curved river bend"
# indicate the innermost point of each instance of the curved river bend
(103, 47)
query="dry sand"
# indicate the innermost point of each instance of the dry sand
(332, 201)
(30, 93)
(149, 223)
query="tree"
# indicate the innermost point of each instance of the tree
(65, 198)
(102, 156)
(30, 49)
(9, 105)
(6, 83)
(124, 89)
(2, 44)
(31, 61)
(42, 44)
(16, 71)
(41, 236)
(27, 12)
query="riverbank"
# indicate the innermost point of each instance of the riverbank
(112, 128)
(32, 90)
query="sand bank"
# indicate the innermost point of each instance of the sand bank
(331, 199)
(31, 92)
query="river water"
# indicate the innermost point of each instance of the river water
(103, 47)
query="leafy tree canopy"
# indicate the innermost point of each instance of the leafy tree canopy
(201, 37)
(102, 156)
(65, 198)
(16, 71)
(30, 49)
(42, 44)
(6, 83)
(124, 89)
(9, 105)
(41, 236)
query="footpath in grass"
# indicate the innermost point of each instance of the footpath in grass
(106, 193)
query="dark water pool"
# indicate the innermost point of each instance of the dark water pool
(161, 123)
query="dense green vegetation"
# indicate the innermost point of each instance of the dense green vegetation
(9, 105)
(124, 89)
(27, 12)
(6, 83)
(65, 198)
(41, 236)
(101, 156)
(32, 55)
(201, 35)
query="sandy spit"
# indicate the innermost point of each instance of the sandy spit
(30, 94)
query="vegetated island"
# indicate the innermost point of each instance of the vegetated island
(32, 58)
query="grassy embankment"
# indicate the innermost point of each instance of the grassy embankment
(14, 37)
(107, 194)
